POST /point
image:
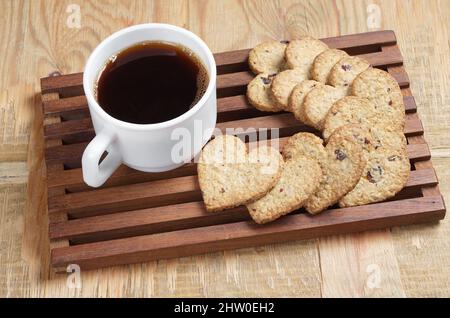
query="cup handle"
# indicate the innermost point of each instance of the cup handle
(95, 174)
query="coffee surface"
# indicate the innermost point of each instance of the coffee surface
(151, 82)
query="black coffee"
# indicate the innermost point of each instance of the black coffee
(151, 82)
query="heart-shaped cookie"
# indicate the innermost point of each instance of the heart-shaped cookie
(230, 176)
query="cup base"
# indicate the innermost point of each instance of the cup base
(159, 169)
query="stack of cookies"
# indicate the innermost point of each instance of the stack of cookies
(357, 109)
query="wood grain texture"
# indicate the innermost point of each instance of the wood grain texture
(413, 260)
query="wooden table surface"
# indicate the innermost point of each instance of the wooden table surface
(40, 37)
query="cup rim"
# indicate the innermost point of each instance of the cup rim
(92, 102)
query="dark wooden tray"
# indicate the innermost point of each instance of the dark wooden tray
(138, 216)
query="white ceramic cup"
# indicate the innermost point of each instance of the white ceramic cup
(145, 147)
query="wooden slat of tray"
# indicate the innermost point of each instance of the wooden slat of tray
(139, 216)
